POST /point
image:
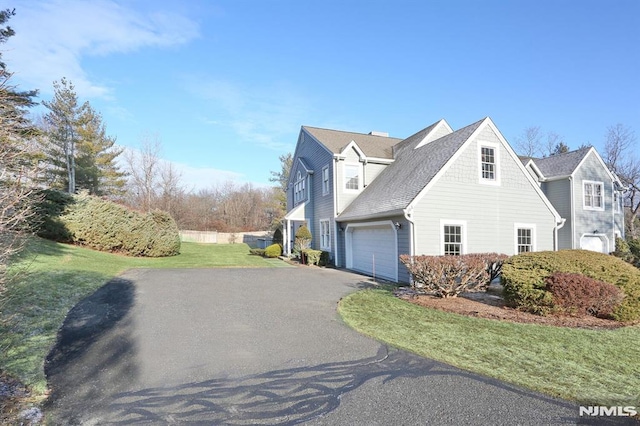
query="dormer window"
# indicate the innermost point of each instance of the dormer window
(299, 191)
(352, 177)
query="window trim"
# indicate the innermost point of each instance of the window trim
(593, 184)
(325, 182)
(299, 189)
(496, 158)
(519, 226)
(344, 176)
(463, 231)
(325, 245)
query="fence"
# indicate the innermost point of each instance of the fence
(253, 239)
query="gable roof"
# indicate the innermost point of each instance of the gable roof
(401, 182)
(560, 165)
(336, 141)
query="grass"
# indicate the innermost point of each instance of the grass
(598, 367)
(52, 278)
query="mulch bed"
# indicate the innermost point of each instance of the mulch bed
(491, 306)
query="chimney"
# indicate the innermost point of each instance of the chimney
(375, 133)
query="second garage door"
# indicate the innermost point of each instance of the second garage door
(373, 250)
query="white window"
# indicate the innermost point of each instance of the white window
(325, 180)
(325, 235)
(489, 163)
(299, 191)
(593, 195)
(453, 237)
(352, 176)
(525, 237)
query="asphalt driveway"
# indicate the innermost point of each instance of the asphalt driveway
(257, 346)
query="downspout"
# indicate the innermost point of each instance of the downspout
(555, 232)
(573, 215)
(335, 210)
(412, 241)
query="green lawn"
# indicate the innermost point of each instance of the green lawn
(587, 366)
(54, 277)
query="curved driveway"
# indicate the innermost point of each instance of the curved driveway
(257, 346)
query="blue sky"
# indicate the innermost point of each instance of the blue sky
(226, 85)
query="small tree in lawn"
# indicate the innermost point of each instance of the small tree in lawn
(303, 241)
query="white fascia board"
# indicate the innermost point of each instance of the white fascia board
(441, 123)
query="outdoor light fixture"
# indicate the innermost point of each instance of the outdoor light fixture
(398, 225)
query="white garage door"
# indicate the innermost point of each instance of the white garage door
(593, 243)
(373, 250)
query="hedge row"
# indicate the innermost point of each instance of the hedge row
(524, 278)
(103, 225)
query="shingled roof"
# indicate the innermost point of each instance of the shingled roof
(401, 182)
(560, 164)
(336, 141)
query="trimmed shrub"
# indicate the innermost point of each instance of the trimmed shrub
(46, 221)
(324, 258)
(106, 226)
(523, 277)
(302, 242)
(277, 237)
(274, 250)
(623, 251)
(257, 251)
(579, 294)
(313, 256)
(447, 276)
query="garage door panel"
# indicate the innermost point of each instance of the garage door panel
(373, 249)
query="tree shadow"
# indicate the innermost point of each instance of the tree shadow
(280, 397)
(83, 352)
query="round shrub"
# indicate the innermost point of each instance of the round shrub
(274, 250)
(524, 275)
(106, 226)
(579, 294)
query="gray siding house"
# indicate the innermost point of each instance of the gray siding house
(368, 198)
(586, 194)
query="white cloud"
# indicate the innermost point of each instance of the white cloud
(53, 36)
(265, 116)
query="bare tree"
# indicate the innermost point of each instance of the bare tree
(534, 143)
(143, 168)
(620, 155)
(18, 158)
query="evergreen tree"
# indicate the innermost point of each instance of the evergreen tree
(63, 122)
(80, 154)
(96, 169)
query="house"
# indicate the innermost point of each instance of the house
(368, 198)
(586, 194)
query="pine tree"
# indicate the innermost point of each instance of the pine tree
(80, 154)
(62, 121)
